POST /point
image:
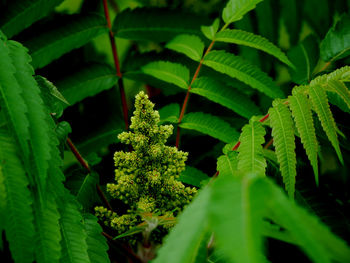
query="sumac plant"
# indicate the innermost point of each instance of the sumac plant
(237, 146)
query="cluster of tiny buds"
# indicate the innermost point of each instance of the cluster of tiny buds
(145, 179)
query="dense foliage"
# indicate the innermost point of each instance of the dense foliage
(258, 93)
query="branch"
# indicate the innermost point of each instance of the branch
(116, 64)
(184, 105)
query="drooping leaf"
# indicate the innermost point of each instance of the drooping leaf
(169, 113)
(11, 97)
(156, 24)
(283, 140)
(236, 9)
(97, 244)
(240, 37)
(341, 89)
(301, 112)
(227, 163)
(73, 32)
(250, 157)
(74, 236)
(87, 82)
(170, 72)
(193, 176)
(318, 242)
(305, 57)
(189, 45)
(182, 244)
(18, 212)
(319, 100)
(37, 113)
(86, 194)
(19, 14)
(336, 44)
(235, 214)
(209, 125)
(47, 245)
(224, 95)
(210, 31)
(236, 67)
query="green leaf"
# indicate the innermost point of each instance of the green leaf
(169, 113)
(18, 212)
(341, 89)
(74, 236)
(87, 82)
(301, 112)
(311, 235)
(209, 125)
(240, 37)
(37, 114)
(226, 96)
(53, 99)
(156, 24)
(183, 243)
(236, 9)
(97, 244)
(19, 15)
(305, 57)
(283, 140)
(11, 98)
(250, 157)
(341, 74)
(86, 194)
(236, 67)
(210, 31)
(193, 176)
(189, 45)
(73, 32)
(235, 214)
(320, 104)
(227, 164)
(291, 15)
(336, 44)
(170, 72)
(47, 245)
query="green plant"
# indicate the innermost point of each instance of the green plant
(58, 68)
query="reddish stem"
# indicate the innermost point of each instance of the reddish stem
(184, 105)
(78, 155)
(116, 64)
(268, 144)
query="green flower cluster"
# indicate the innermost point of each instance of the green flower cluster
(146, 177)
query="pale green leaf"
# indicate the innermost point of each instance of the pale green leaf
(236, 9)
(250, 157)
(227, 164)
(226, 96)
(283, 140)
(341, 89)
(183, 242)
(320, 104)
(301, 111)
(170, 72)
(236, 67)
(235, 214)
(209, 125)
(210, 31)
(240, 37)
(189, 45)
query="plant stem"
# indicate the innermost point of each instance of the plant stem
(84, 163)
(184, 105)
(78, 155)
(116, 64)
